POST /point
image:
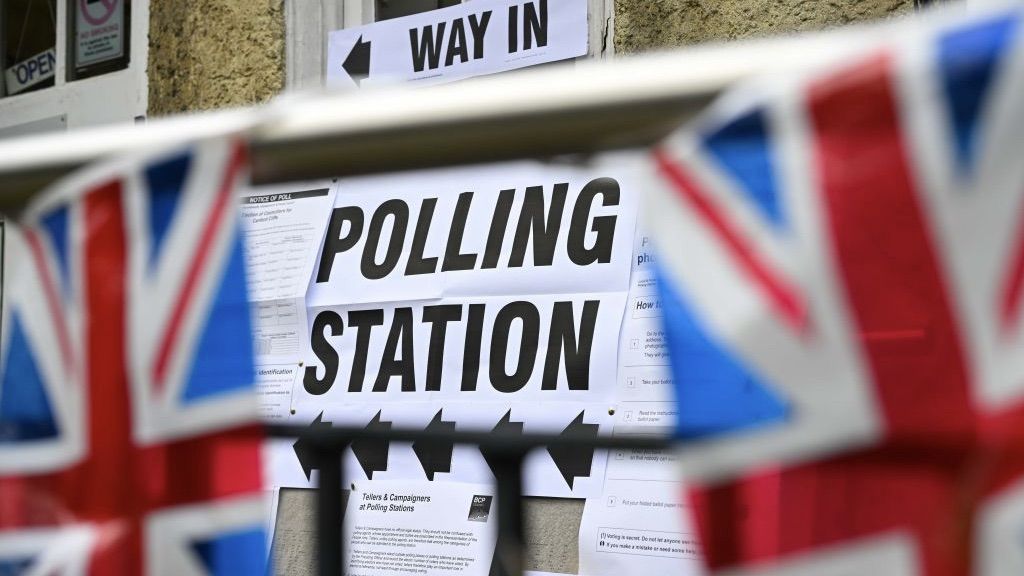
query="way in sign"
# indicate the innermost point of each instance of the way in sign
(468, 39)
(446, 43)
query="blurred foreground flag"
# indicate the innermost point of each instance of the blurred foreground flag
(128, 442)
(842, 266)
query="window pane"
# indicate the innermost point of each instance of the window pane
(30, 35)
(387, 9)
(98, 39)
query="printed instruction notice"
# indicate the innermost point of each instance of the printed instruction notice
(274, 386)
(420, 528)
(646, 406)
(283, 228)
(638, 528)
(640, 523)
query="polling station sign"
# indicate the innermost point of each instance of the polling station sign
(469, 39)
(31, 71)
(479, 283)
(486, 298)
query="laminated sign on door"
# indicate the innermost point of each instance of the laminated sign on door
(471, 39)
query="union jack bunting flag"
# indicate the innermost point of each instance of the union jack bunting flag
(842, 272)
(128, 442)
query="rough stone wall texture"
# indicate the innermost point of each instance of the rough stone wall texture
(206, 54)
(552, 534)
(651, 24)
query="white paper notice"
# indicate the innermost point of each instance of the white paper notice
(455, 298)
(638, 529)
(283, 228)
(491, 230)
(466, 349)
(444, 529)
(469, 39)
(275, 384)
(640, 525)
(646, 404)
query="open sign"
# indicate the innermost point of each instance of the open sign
(31, 71)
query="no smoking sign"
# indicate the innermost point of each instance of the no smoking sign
(98, 12)
(100, 31)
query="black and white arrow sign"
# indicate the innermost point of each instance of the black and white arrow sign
(505, 427)
(574, 462)
(468, 39)
(435, 456)
(372, 454)
(304, 452)
(357, 64)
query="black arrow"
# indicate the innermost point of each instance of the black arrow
(357, 64)
(435, 455)
(304, 452)
(372, 453)
(573, 462)
(505, 427)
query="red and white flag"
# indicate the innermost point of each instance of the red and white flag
(842, 267)
(128, 427)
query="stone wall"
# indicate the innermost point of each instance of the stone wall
(651, 24)
(206, 54)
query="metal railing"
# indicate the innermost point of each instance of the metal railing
(504, 453)
(575, 109)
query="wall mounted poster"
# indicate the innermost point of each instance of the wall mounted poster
(512, 297)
